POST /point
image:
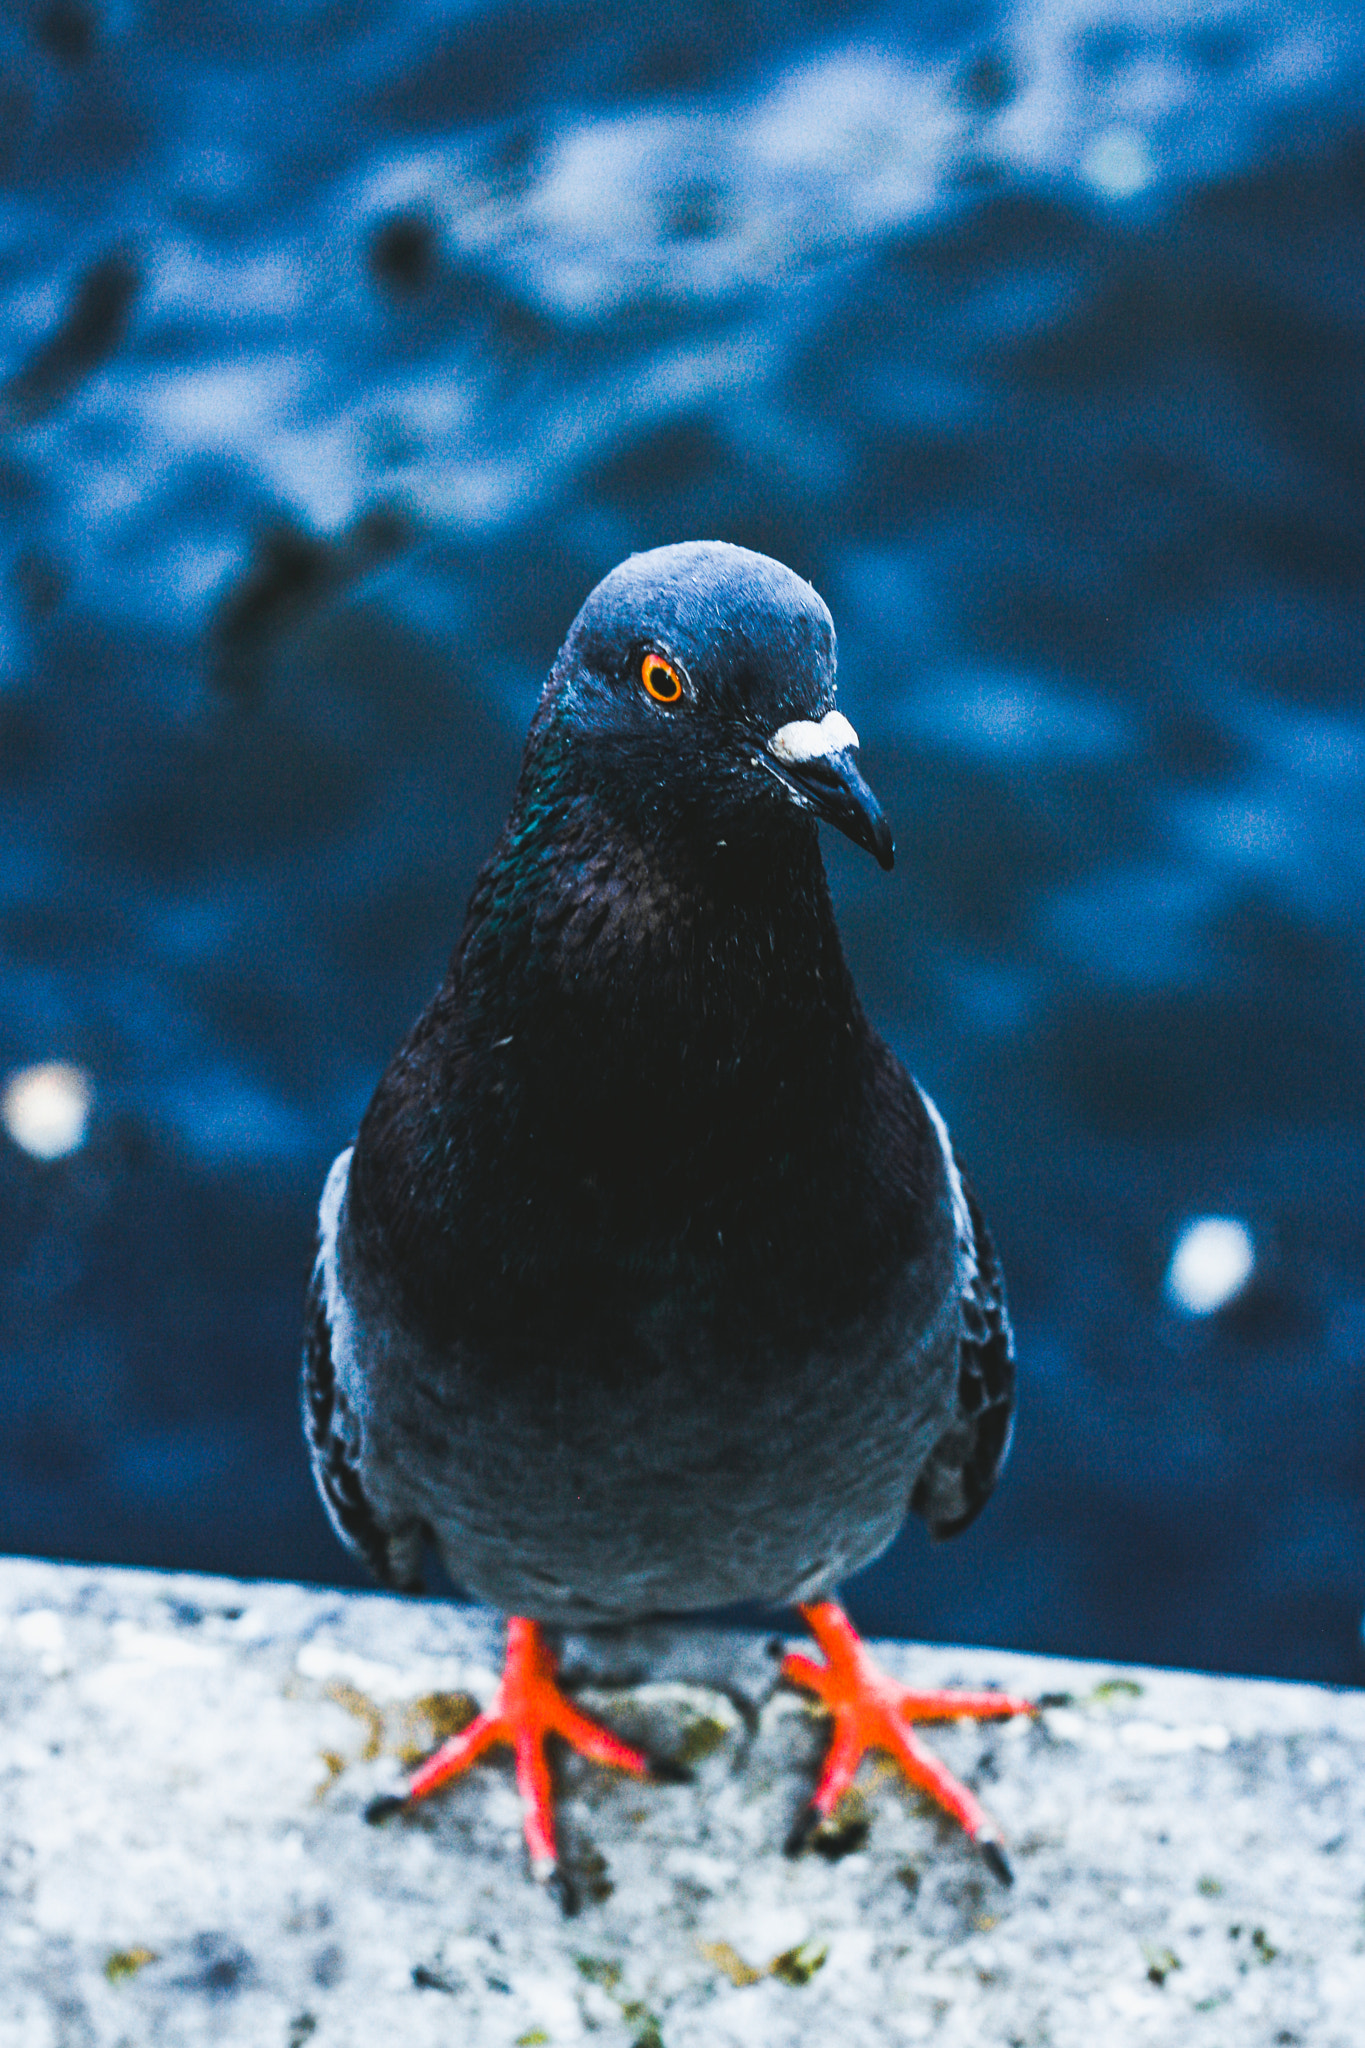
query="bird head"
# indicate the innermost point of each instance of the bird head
(696, 690)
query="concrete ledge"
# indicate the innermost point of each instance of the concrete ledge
(183, 1859)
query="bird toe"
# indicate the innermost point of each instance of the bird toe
(384, 1808)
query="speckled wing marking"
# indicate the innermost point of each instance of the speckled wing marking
(333, 1442)
(960, 1472)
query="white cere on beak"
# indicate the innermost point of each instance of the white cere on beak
(804, 740)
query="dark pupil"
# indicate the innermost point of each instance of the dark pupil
(662, 680)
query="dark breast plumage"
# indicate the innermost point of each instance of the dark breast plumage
(680, 1327)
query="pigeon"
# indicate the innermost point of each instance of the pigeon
(651, 1283)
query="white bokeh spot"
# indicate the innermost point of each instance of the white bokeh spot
(1213, 1259)
(46, 1109)
(1118, 163)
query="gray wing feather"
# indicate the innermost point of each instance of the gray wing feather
(957, 1477)
(392, 1553)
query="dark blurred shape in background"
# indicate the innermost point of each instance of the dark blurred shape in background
(344, 346)
(91, 330)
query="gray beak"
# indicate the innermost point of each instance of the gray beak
(816, 763)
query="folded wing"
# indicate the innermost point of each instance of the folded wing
(333, 1434)
(957, 1477)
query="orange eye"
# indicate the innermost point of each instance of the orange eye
(661, 680)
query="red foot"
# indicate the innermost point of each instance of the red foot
(870, 1712)
(527, 1707)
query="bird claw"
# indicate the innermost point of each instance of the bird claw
(871, 1711)
(384, 1808)
(527, 1707)
(552, 1875)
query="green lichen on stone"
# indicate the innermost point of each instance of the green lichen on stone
(361, 1708)
(701, 1738)
(649, 2033)
(431, 1720)
(798, 1965)
(1260, 1941)
(534, 2037)
(1161, 1962)
(597, 1970)
(730, 1963)
(1117, 1689)
(126, 1962)
(1209, 1888)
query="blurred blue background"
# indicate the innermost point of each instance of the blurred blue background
(344, 344)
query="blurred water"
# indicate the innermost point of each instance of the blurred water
(344, 346)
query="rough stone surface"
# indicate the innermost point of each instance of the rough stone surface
(185, 1763)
